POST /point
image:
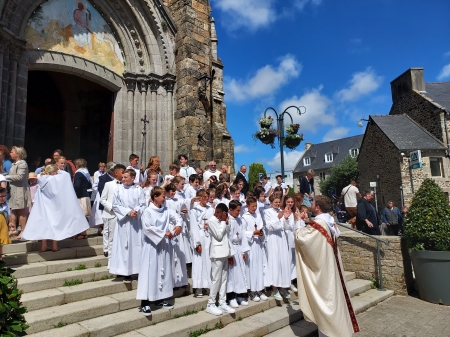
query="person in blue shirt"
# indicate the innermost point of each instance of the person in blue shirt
(392, 218)
(4, 155)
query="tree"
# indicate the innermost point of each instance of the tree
(253, 174)
(341, 175)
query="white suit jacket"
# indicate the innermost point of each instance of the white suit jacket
(107, 198)
(220, 245)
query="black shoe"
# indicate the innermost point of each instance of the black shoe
(164, 305)
(105, 254)
(127, 279)
(146, 311)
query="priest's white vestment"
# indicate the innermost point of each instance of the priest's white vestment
(127, 244)
(56, 213)
(321, 289)
(155, 275)
(237, 280)
(201, 263)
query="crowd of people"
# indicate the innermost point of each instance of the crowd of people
(240, 240)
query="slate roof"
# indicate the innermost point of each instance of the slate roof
(406, 134)
(439, 92)
(339, 147)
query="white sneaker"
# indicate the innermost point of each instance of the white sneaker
(276, 295)
(242, 301)
(294, 288)
(226, 309)
(198, 293)
(234, 303)
(213, 309)
(254, 296)
(262, 296)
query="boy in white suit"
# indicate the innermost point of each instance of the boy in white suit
(219, 253)
(109, 218)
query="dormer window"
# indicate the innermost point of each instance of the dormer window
(354, 152)
(307, 161)
(328, 157)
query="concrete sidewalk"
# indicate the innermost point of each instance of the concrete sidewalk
(398, 316)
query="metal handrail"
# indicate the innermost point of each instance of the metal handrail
(378, 240)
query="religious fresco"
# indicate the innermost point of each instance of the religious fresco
(74, 27)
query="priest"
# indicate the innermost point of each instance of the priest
(322, 292)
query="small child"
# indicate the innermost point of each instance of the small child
(5, 213)
(235, 193)
(222, 195)
(211, 196)
(300, 216)
(220, 251)
(192, 189)
(174, 171)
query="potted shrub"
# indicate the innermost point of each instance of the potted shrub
(266, 122)
(291, 141)
(12, 321)
(427, 230)
(267, 136)
(292, 129)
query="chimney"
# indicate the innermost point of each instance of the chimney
(412, 79)
(307, 146)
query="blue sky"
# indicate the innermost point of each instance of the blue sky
(336, 58)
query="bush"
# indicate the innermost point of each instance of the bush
(427, 224)
(12, 321)
(341, 175)
(253, 173)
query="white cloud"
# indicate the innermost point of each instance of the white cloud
(317, 110)
(445, 72)
(362, 83)
(252, 14)
(300, 4)
(290, 159)
(266, 81)
(335, 133)
(241, 149)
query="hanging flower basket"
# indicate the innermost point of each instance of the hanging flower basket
(292, 129)
(266, 136)
(265, 123)
(291, 141)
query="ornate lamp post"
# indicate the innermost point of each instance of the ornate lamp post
(267, 135)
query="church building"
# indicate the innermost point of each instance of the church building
(101, 79)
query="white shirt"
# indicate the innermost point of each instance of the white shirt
(209, 173)
(350, 195)
(186, 172)
(138, 174)
(283, 186)
(267, 187)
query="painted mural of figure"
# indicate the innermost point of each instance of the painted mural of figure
(81, 30)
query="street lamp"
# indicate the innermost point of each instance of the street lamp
(280, 126)
(360, 123)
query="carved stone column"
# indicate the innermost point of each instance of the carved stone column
(11, 101)
(154, 85)
(170, 119)
(143, 86)
(131, 86)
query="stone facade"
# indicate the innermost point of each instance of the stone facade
(166, 45)
(359, 255)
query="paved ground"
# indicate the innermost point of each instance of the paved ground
(398, 316)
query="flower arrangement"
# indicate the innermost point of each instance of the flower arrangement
(267, 136)
(292, 129)
(291, 141)
(266, 122)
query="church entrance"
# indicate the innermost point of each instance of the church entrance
(70, 113)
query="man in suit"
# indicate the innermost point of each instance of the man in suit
(367, 219)
(102, 180)
(109, 218)
(241, 176)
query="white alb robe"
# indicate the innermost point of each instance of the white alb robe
(291, 242)
(237, 272)
(190, 192)
(201, 263)
(56, 213)
(278, 253)
(155, 275)
(257, 261)
(223, 200)
(96, 217)
(187, 248)
(127, 244)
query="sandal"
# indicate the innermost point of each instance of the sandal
(54, 251)
(80, 237)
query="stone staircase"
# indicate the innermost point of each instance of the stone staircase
(71, 294)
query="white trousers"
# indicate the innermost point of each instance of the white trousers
(219, 272)
(108, 235)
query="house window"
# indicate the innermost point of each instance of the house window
(322, 175)
(328, 158)
(307, 161)
(436, 167)
(354, 152)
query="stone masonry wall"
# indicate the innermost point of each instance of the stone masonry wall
(378, 156)
(359, 255)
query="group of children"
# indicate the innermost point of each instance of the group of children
(238, 246)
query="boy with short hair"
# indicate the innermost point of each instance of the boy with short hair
(219, 253)
(267, 185)
(193, 187)
(280, 183)
(134, 165)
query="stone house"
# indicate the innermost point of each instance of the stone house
(321, 157)
(83, 75)
(417, 121)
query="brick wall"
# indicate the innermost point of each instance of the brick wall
(359, 255)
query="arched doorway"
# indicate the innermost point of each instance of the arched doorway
(70, 113)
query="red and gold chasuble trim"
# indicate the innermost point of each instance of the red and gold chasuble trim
(333, 244)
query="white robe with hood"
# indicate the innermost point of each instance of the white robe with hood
(238, 277)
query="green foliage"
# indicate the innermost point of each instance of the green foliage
(427, 224)
(253, 174)
(60, 325)
(291, 191)
(106, 277)
(97, 265)
(72, 283)
(12, 321)
(200, 332)
(187, 313)
(340, 176)
(80, 267)
(69, 269)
